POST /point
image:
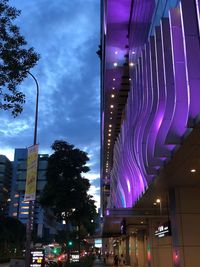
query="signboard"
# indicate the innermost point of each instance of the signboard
(163, 230)
(74, 257)
(37, 258)
(31, 176)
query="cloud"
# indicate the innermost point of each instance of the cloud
(66, 35)
(95, 192)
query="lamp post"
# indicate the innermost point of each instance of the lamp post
(36, 108)
(158, 200)
(31, 203)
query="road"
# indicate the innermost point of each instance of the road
(4, 264)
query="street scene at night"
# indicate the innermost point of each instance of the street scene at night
(99, 133)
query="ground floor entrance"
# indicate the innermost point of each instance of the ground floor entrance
(166, 235)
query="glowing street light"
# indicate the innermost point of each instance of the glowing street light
(158, 201)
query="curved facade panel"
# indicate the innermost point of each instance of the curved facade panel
(162, 104)
(151, 132)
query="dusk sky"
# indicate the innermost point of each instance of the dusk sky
(66, 35)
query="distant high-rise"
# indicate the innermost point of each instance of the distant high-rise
(18, 207)
(5, 180)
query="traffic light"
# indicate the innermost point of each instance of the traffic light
(70, 243)
(56, 251)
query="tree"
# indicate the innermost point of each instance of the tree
(13, 234)
(66, 191)
(84, 216)
(15, 60)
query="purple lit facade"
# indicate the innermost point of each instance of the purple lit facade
(163, 102)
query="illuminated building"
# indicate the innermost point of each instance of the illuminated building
(150, 156)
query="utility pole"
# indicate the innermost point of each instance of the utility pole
(31, 203)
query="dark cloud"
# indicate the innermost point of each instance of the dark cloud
(66, 35)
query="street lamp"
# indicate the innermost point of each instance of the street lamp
(31, 203)
(158, 200)
(36, 108)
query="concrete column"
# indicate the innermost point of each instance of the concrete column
(133, 255)
(185, 221)
(127, 250)
(122, 250)
(142, 249)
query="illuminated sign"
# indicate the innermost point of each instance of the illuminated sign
(74, 257)
(37, 258)
(163, 230)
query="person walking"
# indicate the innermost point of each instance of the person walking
(116, 260)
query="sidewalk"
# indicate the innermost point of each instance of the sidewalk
(99, 263)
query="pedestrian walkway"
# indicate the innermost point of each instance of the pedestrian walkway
(99, 263)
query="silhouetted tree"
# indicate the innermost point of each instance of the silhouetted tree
(84, 216)
(12, 236)
(66, 191)
(15, 60)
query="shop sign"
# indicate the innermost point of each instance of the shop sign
(74, 257)
(163, 230)
(37, 258)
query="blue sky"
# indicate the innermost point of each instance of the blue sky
(66, 35)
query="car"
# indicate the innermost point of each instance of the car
(62, 257)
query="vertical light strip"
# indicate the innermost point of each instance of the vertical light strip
(173, 62)
(198, 13)
(185, 57)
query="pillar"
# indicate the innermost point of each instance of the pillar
(185, 221)
(142, 248)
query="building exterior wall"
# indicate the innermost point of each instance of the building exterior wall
(185, 220)
(161, 10)
(162, 109)
(18, 207)
(162, 104)
(159, 249)
(5, 180)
